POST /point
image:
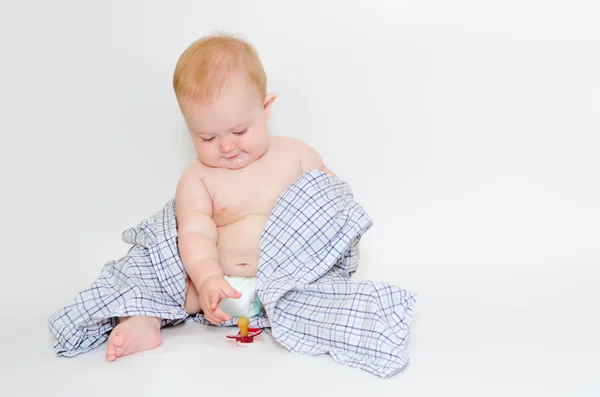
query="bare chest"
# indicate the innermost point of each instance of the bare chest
(252, 190)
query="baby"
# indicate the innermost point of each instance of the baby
(224, 197)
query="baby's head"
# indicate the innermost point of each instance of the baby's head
(220, 86)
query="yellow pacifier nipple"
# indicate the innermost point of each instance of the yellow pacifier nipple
(243, 325)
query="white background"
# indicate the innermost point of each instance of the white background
(469, 130)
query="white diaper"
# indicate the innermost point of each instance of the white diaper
(248, 305)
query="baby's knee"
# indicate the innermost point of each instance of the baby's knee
(191, 303)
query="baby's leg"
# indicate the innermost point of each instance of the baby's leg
(139, 333)
(191, 304)
(132, 335)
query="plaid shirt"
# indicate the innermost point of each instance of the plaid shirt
(308, 252)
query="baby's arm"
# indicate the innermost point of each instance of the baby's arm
(197, 243)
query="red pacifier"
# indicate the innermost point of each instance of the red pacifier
(246, 335)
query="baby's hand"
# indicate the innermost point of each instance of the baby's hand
(212, 291)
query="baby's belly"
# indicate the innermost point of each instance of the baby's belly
(238, 245)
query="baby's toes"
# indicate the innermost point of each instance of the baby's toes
(114, 350)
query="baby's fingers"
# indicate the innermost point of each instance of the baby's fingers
(216, 317)
(210, 317)
(221, 315)
(213, 300)
(214, 314)
(231, 292)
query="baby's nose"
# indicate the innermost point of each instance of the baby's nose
(226, 146)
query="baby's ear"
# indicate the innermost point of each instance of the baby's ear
(269, 99)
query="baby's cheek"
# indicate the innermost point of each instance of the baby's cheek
(208, 155)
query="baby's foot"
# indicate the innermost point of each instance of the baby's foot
(132, 335)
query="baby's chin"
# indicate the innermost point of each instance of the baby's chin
(236, 163)
(235, 167)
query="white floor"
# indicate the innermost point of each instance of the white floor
(469, 339)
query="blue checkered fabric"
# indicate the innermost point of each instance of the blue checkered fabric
(308, 252)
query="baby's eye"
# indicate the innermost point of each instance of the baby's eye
(207, 140)
(240, 132)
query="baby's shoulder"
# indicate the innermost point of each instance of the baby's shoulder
(195, 169)
(296, 149)
(196, 172)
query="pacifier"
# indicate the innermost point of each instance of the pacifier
(246, 335)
